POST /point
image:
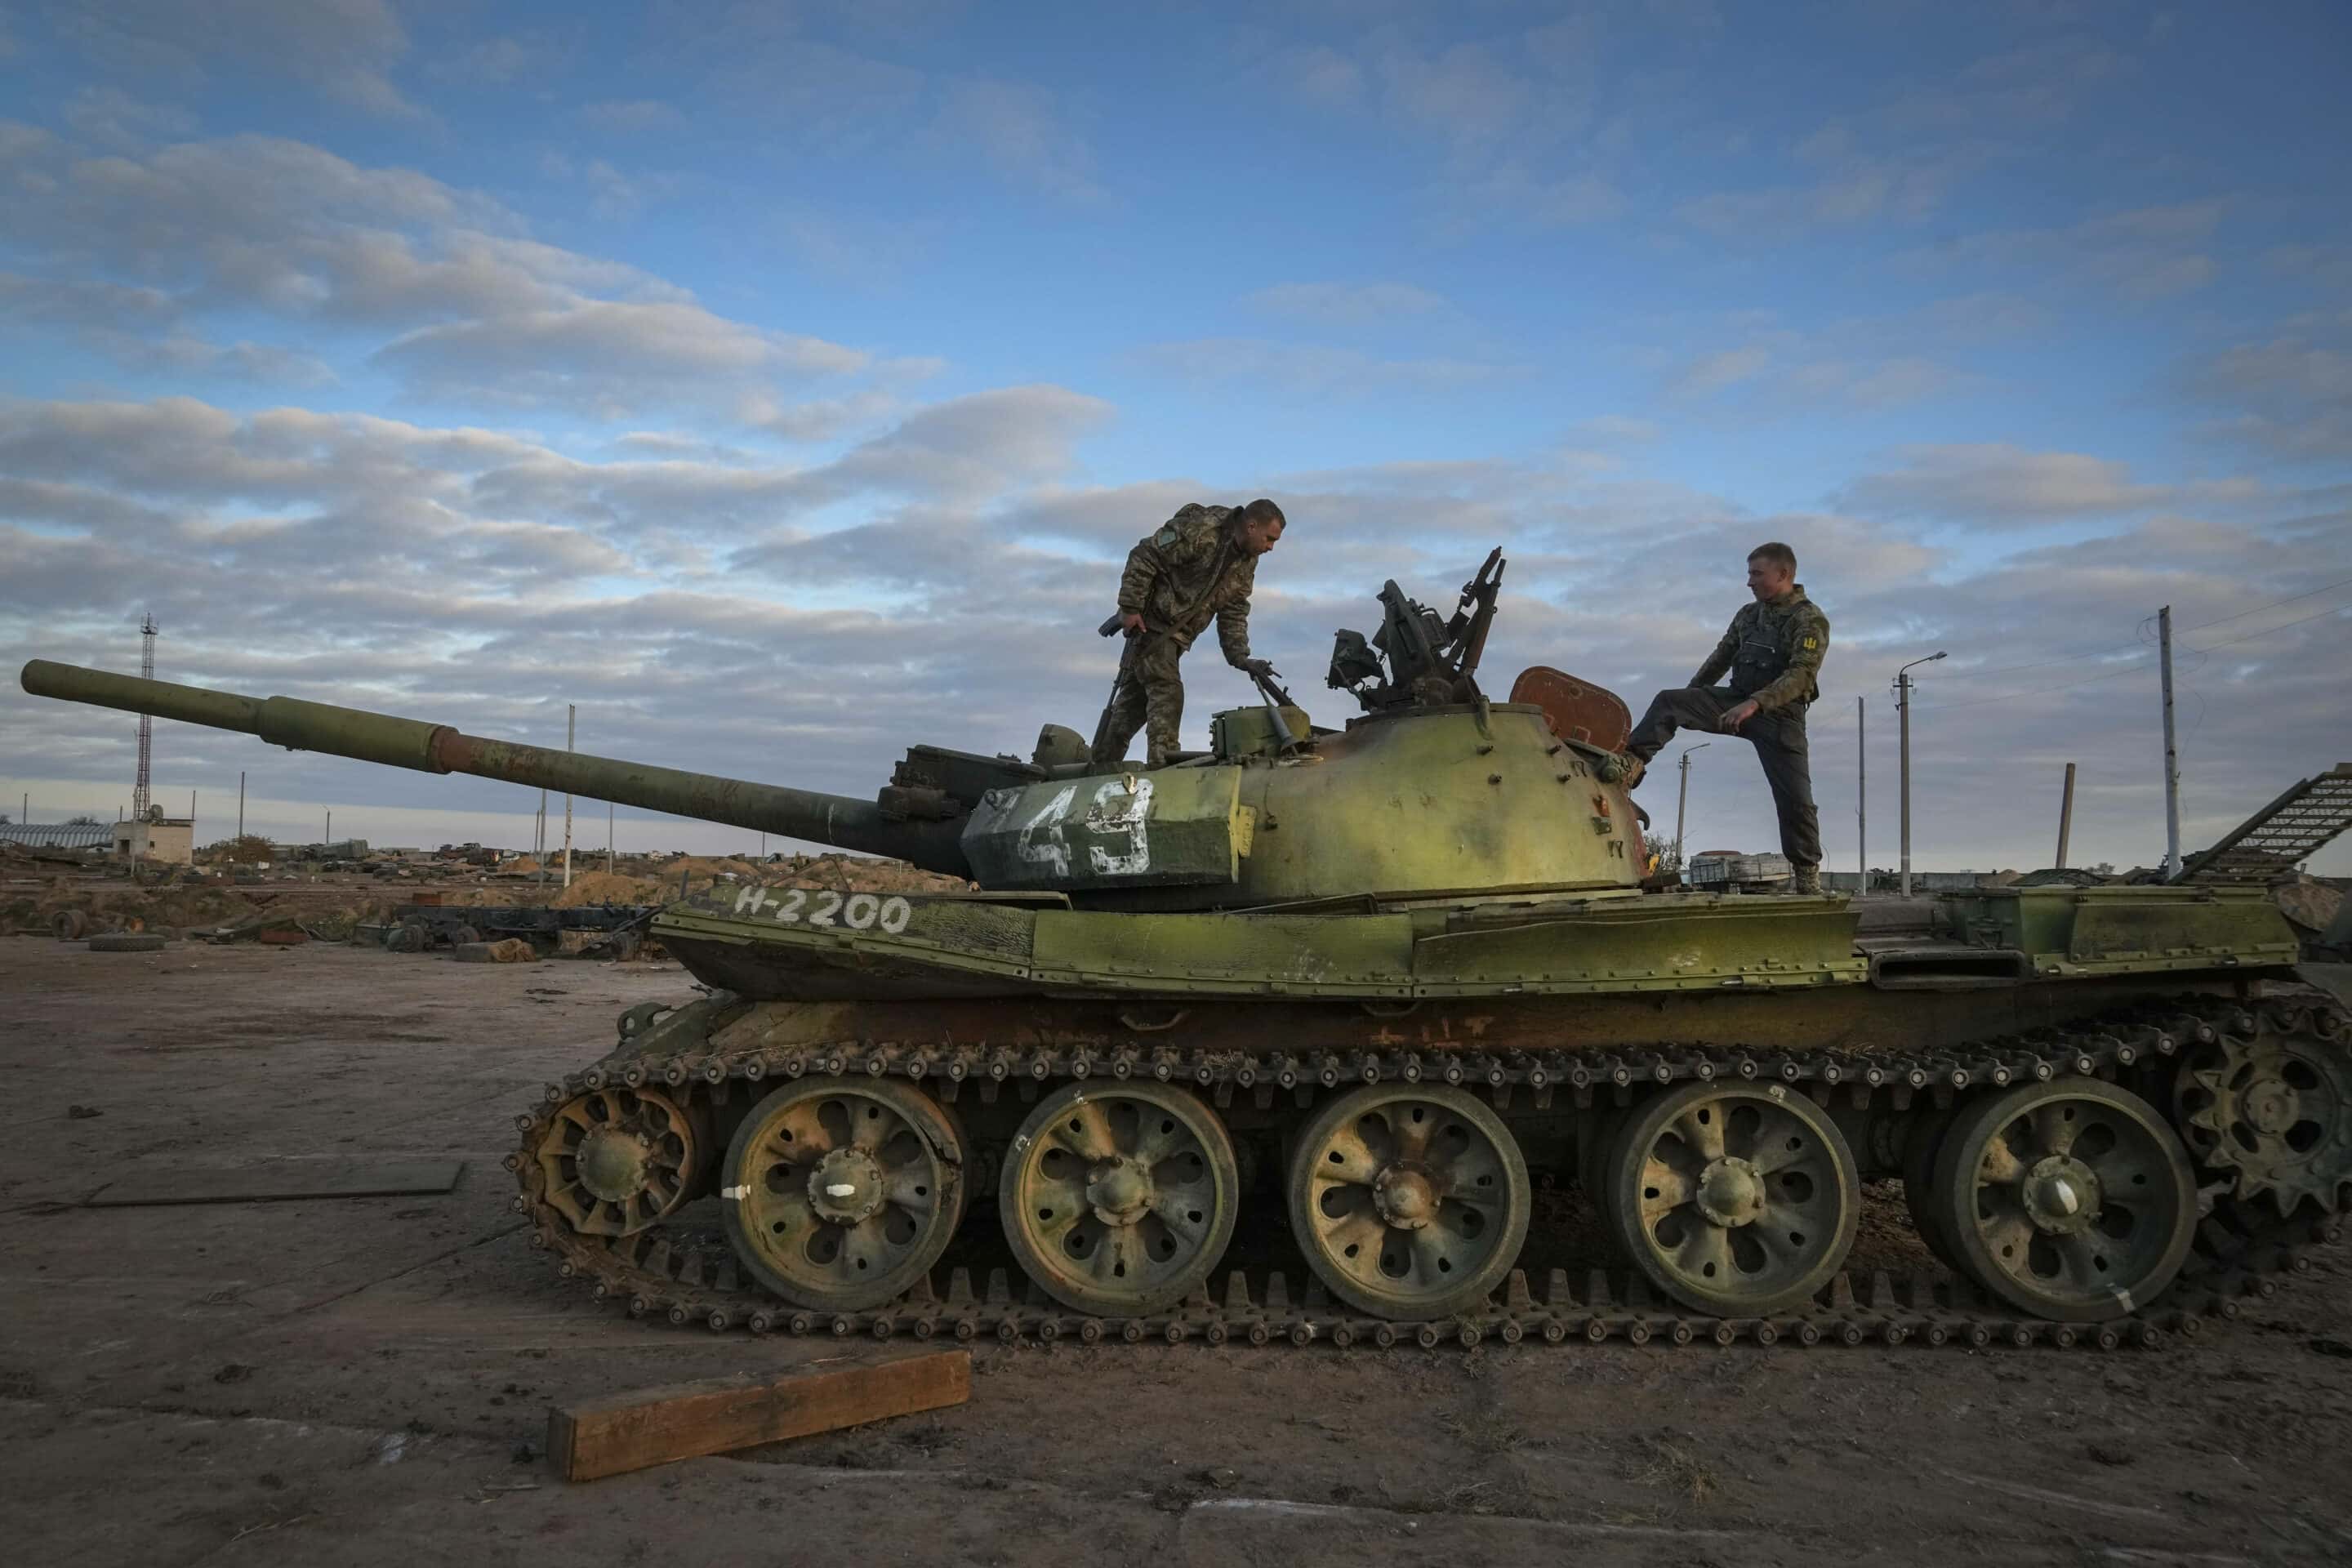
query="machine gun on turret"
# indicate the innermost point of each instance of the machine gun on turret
(1429, 662)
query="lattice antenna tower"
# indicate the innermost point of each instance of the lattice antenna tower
(146, 724)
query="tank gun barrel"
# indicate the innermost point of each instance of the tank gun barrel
(839, 820)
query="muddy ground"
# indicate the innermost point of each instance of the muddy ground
(366, 1381)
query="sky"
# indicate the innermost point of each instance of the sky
(782, 384)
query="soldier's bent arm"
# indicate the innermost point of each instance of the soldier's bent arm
(1233, 632)
(1808, 643)
(1717, 662)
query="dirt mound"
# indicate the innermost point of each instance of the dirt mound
(608, 888)
(176, 908)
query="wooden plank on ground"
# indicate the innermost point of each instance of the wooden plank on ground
(687, 1420)
(285, 1179)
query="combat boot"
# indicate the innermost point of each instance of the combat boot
(1634, 768)
(1808, 879)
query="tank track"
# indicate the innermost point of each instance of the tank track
(690, 1276)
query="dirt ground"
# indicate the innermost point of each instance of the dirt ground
(366, 1381)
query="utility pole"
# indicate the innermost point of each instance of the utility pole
(2065, 815)
(2171, 755)
(1682, 796)
(1903, 688)
(608, 839)
(1861, 801)
(331, 826)
(240, 803)
(571, 732)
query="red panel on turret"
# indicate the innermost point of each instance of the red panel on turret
(1575, 709)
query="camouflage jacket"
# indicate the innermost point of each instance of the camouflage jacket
(1189, 572)
(1774, 651)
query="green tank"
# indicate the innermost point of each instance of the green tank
(1297, 1039)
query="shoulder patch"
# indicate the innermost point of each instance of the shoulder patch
(1809, 644)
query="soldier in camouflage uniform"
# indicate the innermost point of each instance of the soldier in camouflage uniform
(1773, 652)
(1200, 567)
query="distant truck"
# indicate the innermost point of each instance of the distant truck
(1729, 871)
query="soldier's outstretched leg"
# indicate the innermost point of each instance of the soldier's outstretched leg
(1787, 756)
(1163, 687)
(1679, 708)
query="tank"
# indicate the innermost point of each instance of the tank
(1293, 1040)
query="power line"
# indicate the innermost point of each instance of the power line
(2249, 637)
(2136, 667)
(2144, 644)
(2273, 605)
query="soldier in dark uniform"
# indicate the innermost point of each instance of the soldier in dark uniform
(1773, 652)
(1200, 567)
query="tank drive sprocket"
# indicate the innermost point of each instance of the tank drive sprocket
(616, 1160)
(2269, 1101)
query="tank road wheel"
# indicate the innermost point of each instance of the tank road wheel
(1119, 1198)
(1734, 1199)
(2070, 1200)
(1410, 1201)
(1923, 1144)
(843, 1193)
(616, 1160)
(2275, 1109)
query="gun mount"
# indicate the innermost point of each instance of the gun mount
(1429, 660)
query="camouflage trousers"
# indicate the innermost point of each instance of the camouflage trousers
(1779, 738)
(1149, 696)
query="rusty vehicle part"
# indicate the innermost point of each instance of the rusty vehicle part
(1269, 954)
(840, 1194)
(1118, 1198)
(1409, 1200)
(2069, 1200)
(613, 1160)
(2275, 1109)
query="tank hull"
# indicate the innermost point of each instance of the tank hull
(1563, 1041)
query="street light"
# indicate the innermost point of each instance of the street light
(1903, 708)
(1682, 795)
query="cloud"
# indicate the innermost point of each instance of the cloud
(1318, 368)
(494, 62)
(1779, 371)
(343, 49)
(1020, 133)
(2290, 395)
(113, 118)
(1725, 367)
(1997, 484)
(631, 117)
(1348, 304)
(2141, 254)
(458, 298)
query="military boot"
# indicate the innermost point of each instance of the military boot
(1808, 879)
(1634, 768)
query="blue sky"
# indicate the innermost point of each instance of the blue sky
(782, 383)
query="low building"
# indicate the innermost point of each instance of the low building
(59, 837)
(171, 839)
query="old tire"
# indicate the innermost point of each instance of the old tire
(127, 942)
